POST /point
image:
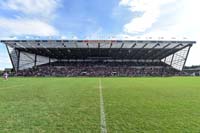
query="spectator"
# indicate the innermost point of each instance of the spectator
(105, 69)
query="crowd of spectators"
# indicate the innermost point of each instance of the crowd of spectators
(95, 69)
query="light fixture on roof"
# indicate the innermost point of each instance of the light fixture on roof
(64, 45)
(158, 44)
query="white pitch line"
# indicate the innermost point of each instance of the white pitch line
(103, 116)
(10, 87)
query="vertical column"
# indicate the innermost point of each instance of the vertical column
(165, 59)
(18, 59)
(35, 61)
(172, 60)
(99, 52)
(187, 55)
(49, 61)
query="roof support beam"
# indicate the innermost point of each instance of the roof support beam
(130, 50)
(151, 50)
(121, 47)
(173, 50)
(137, 54)
(155, 55)
(133, 45)
(29, 44)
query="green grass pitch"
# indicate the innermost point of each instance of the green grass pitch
(72, 105)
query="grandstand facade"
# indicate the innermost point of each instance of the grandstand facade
(97, 57)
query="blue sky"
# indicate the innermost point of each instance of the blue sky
(99, 19)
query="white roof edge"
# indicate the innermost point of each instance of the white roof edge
(99, 41)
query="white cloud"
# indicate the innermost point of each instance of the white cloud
(74, 38)
(38, 8)
(63, 37)
(8, 38)
(182, 21)
(124, 2)
(26, 27)
(185, 25)
(150, 10)
(33, 17)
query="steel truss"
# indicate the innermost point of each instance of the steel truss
(177, 60)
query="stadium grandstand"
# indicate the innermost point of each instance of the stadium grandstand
(193, 70)
(98, 57)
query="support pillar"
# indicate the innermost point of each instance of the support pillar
(18, 60)
(49, 61)
(35, 61)
(186, 56)
(172, 59)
